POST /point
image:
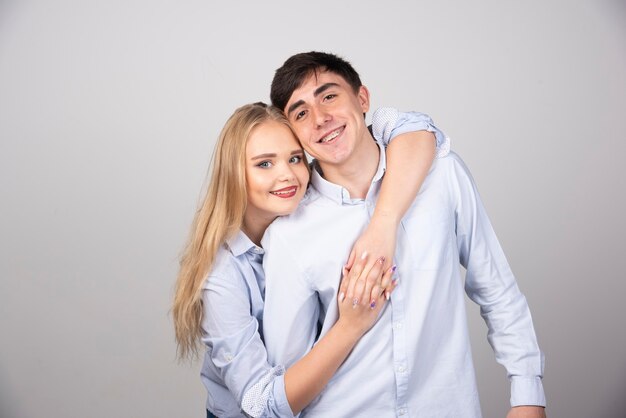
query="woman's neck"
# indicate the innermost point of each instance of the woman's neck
(254, 226)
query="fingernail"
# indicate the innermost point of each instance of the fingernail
(381, 260)
(372, 304)
(364, 255)
(393, 269)
(387, 295)
(355, 302)
(342, 296)
(395, 281)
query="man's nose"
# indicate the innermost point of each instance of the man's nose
(320, 115)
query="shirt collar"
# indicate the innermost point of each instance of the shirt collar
(240, 244)
(338, 193)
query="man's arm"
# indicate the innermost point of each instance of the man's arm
(490, 283)
(527, 412)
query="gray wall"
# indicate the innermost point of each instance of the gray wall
(108, 115)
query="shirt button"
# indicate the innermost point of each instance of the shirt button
(397, 325)
(402, 411)
(401, 369)
(228, 357)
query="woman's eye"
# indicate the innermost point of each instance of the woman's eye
(295, 159)
(264, 164)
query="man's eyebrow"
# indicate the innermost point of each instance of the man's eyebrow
(321, 89)
(294, 107)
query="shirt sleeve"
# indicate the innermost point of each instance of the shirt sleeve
(387, 123)
(490, 283)
(292, 306)
(236, 348)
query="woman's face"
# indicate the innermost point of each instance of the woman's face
(276, 172)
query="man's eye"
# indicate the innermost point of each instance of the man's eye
(330, 96)
(295, 159)
(264, 164)
(300, 114)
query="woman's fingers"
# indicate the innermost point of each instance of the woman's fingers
(367, 282)
(351, 259)
(391, 278)
(372, 282)
(356, 285)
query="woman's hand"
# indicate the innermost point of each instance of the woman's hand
(377, 241)
(361, 299)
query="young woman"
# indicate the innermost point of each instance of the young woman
(259, 173)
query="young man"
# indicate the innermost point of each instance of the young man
(416, 361)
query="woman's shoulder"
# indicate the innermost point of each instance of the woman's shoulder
(226, 266)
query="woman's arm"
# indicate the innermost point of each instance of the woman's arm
(239, 357)
(409, 157)
(357, 313)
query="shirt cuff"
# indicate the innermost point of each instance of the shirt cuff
(281, 404)
(388, 123)
(527, 391)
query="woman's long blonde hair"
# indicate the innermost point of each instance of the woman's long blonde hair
(218, 218)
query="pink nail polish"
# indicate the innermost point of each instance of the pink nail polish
(364, 255)
(387, 295)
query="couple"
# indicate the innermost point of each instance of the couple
(262, 290)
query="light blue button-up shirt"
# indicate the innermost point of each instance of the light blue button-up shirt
(416, 361)
(235, 370)
(239, 379)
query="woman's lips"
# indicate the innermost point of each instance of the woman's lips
(286, 192)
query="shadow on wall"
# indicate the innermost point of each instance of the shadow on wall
(615, 405)
(8, 407)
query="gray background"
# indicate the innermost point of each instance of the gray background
(108, 115)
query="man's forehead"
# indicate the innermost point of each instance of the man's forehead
(312, 81)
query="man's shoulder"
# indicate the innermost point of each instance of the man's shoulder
(311, 199)
(450, 165)
(301, 222)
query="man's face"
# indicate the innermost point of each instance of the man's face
(327, 116)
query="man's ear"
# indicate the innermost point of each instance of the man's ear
(364, 98)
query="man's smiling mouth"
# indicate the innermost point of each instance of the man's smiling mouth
(331, 135)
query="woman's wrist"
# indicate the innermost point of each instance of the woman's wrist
(386, 218)
(350, 331)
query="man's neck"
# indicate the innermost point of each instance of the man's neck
(356, 173)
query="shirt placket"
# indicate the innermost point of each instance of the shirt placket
(400, 363)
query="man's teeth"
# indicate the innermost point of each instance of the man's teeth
(331, 136)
